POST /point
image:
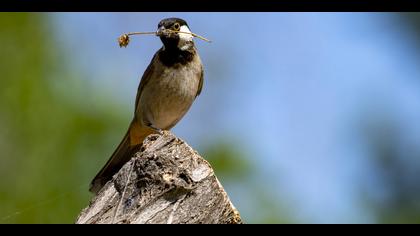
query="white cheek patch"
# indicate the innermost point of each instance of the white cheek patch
(185, 37)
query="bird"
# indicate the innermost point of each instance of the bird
(167, 89)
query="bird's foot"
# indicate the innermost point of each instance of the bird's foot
(157, 130)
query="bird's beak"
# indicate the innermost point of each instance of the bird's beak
(160, 31)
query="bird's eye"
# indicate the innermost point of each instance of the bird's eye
(177, 26)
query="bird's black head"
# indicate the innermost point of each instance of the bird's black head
(167, 30)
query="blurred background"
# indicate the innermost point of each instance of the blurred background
(305, 117)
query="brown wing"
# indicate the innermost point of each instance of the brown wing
(200, 83)
(146, 78)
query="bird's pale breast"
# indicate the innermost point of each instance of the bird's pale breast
(169, 93)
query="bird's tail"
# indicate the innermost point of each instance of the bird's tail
(130, 144)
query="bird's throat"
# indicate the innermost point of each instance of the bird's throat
(171, 56)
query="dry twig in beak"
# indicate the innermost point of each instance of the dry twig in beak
(124, 39)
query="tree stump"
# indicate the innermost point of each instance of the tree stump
(166, 182)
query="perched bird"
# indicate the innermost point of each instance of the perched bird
(169, 86)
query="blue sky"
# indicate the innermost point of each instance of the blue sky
(289, 87)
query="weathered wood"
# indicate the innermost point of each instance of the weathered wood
(166, 182)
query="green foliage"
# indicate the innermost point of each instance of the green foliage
(227, 160)
(48, 142)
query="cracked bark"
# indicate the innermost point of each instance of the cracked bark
(165, 182)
